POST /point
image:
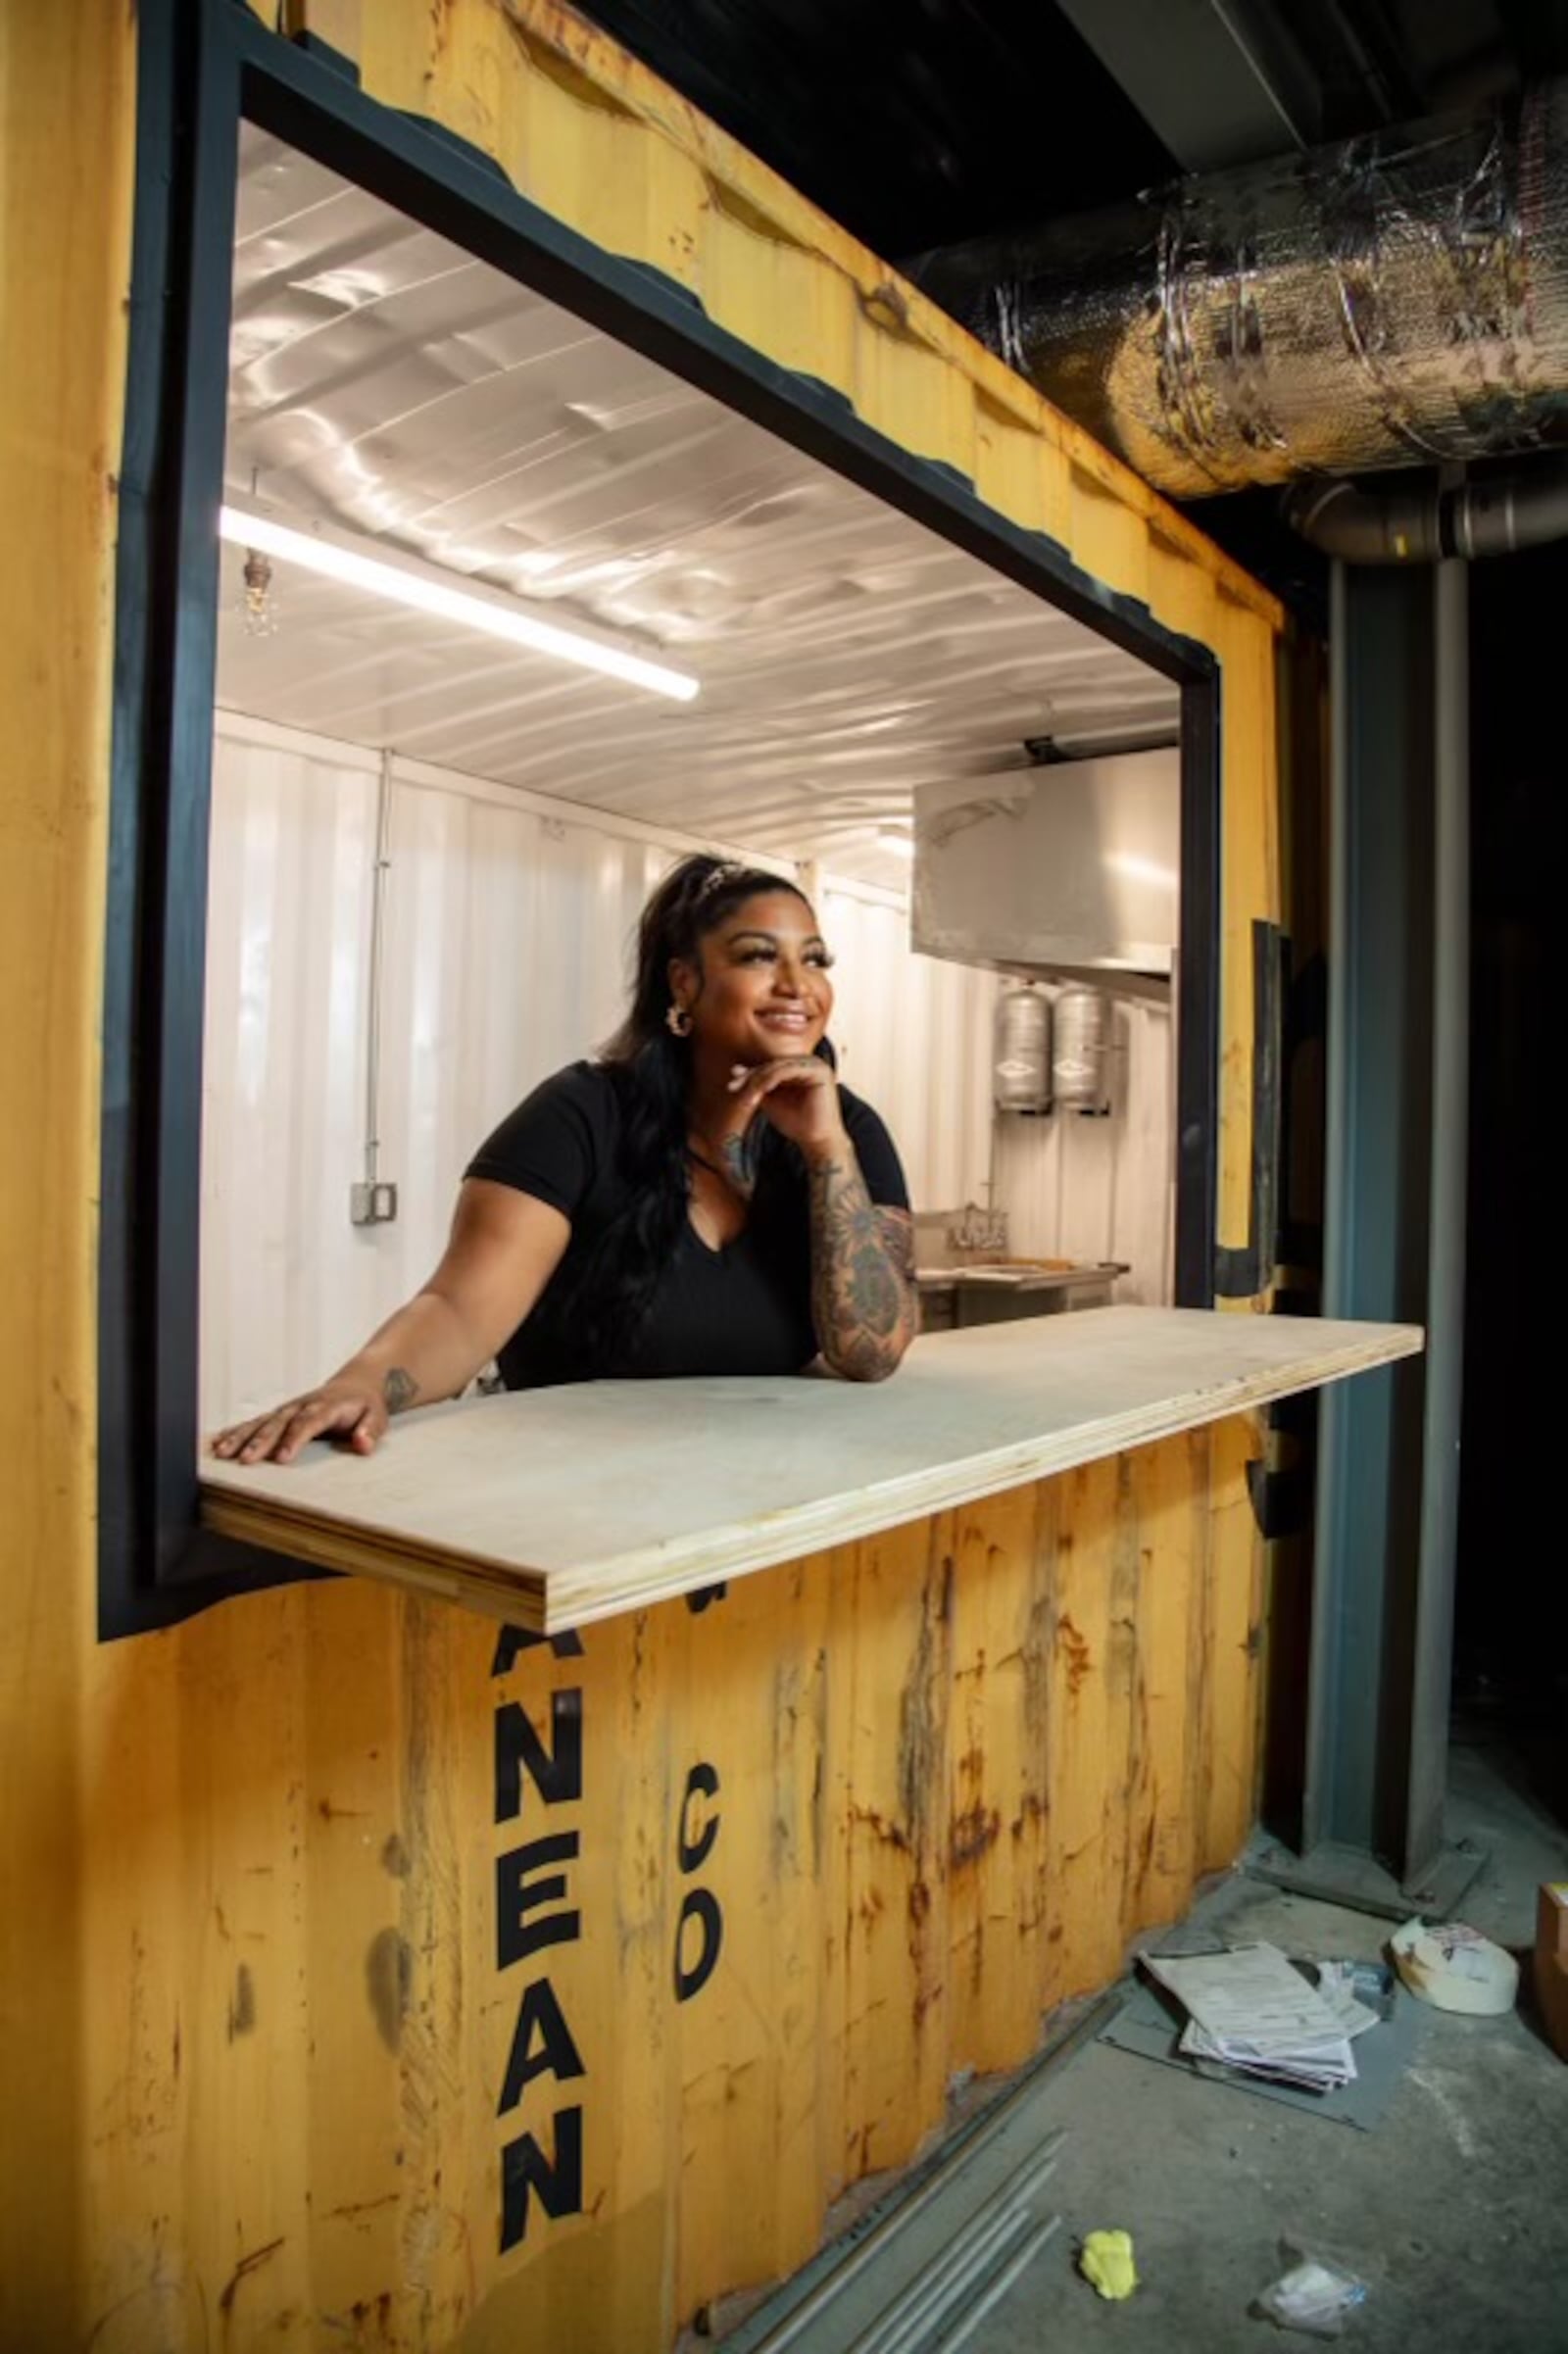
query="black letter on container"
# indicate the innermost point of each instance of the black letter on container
(514, 1936)
(690, 1852)
(698, 1905)
(557, 2054)
(557, 1770)
(512, 1640)
(523, 2169)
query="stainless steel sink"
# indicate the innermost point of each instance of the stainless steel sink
(956, 1297)
(1004, 1271)
(1018, 1270)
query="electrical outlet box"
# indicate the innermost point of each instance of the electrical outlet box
(373, 1204)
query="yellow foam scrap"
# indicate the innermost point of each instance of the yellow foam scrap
(1106, 2263)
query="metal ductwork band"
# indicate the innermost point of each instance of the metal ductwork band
(1398, 299)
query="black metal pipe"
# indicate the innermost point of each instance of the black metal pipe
(1518, 510)
(1436, 1581)
(1402, 525)
(1422, 522)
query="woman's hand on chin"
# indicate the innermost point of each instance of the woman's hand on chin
(799, 1096)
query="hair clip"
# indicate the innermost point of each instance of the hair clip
(717, 878)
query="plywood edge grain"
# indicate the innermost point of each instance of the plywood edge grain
(513, 1595)
(575, 1592)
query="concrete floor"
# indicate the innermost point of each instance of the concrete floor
(1453, 2209)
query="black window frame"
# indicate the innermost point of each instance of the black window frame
(205, 65)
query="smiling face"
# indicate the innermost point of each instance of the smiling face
(759, 989)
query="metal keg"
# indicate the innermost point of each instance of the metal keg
(1081, 1062)
(1022, 1059)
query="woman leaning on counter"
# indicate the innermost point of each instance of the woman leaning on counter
(703, 1199)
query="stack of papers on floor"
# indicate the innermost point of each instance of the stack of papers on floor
(1251, 2010)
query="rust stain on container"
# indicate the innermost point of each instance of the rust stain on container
(973, 1833)
(389, 1984)
(352, 2208)
(1079, 1662)
(887, 306)
(880, 1826)
(921, 1732)
(246, 2265)
(361, 2312)
(749, 215)
(242, 2003)
(554, 46)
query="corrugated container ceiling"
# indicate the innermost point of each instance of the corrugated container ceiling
(385, 384)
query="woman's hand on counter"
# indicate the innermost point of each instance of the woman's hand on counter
(504, 1247)
(353, 1412)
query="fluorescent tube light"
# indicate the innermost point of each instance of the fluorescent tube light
(406, 581)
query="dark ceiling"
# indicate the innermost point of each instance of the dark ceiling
(925, 122)
(912, 122)
(918, 123)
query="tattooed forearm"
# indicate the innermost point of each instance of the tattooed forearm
(399, 1390)
(863, 1275)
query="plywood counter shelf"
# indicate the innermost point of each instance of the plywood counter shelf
(556, 1507)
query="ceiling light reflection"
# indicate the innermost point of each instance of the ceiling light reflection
(405, 580)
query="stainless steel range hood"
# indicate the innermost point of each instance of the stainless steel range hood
(1072, 868)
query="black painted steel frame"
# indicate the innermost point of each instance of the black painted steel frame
(1393, 1224)
(204, 66)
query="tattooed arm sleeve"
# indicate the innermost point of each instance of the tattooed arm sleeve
(864, 1298)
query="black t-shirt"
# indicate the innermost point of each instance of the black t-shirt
(745, 1308)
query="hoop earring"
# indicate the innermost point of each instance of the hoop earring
(679, 1021)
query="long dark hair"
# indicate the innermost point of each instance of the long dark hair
(605, 1307)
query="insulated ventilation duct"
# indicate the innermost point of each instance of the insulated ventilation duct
(1400, 299)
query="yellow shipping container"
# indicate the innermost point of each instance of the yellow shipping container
(275, 2073)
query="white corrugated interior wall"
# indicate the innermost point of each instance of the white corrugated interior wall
(289, 899)
(913, 1036)
(1102, 1187)
(508, 922)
